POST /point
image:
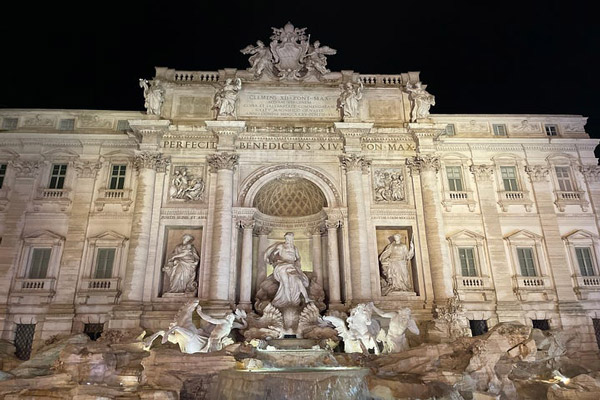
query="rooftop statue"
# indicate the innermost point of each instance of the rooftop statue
(226, 97)
(290, 56)
(421, 101)
(349, 98)
(153, 96)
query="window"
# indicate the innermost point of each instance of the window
(541, 324)
(454, 175)
(467, 261)
(24, 340)
(57, 177)
(478, 326)
(38, 266)
(526, 262)
(2, 174)
(66, 125)
(596, 323)
(551, 130)
(93, 330)
(10, 123)
(450, 130)
(123, 125)
(509, 178)
(117, 177)
(584, 259)
(104, 263)
(564, 179)
(499, 129)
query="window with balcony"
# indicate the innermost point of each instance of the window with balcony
(467, 261)
(454, 175)
(105, 259)
(564, 179)
(117, 177)
(38, 263)
(582, 248)
(566, 188)
(526, 261)
(509, 179)
(57, 176)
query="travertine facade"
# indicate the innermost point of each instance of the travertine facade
(503, 210)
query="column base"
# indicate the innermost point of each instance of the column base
(216, 308)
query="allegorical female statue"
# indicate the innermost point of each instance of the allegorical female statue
(394, 262)
(285, 258)
(181, 267)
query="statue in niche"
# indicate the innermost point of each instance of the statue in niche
(395, 268)
(285, 258)
(186, 187)
(153, 96)
(400, 321)
(349, 98)
(421, 101)
(261, 58)
(226, 97)
(315, 58)
(181, 267)
(389, 186)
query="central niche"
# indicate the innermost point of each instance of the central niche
(290, 196)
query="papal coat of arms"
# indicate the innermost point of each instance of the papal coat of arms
(290, 55)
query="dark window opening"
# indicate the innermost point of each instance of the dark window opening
(478, 326)
(541, 324)
(94, 331)
(596, 323)
(24, 340)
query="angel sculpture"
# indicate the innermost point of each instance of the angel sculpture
(219, 337)
(182, 331)
(226, 96)
(315, 58)
(362, 332)
(261, 58)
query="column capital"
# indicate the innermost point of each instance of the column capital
(315, 230)
(590, 172)
(262, 230)
(26, 169)
(538, 173)
(482, 172)
(87, 169)
(151, 160)
(333, 224)
(355, 162)
(426, 134)
(226, 131)
(423, 163)
(222, 160)
(246, 223)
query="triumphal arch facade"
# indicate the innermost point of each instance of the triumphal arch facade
(116, 219)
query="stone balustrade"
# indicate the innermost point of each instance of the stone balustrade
(381, 80)
(33, 285)
(473, 282)
(52, 193)
(104, 284)
(533, 282)
(588, 281)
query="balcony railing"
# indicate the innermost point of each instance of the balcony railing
(113, 196)
(52, 193)
(588, 282)
(473, 282)
(381, 80)
(564, 198)
(34, 285)
(533, 282)
(108, 284)
(512, 197)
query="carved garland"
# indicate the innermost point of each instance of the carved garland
(590, 172)
(537, 173)
(26, 169)
(87, 169)
(482, 172)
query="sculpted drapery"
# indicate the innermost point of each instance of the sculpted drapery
(181, 267)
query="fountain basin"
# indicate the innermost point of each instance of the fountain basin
(330, 383)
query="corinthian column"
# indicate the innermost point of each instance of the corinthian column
(360, 271)
(246, 271)
(333, 261)
(441, 271)
(223, 164)
(315, 233)
(146, 163)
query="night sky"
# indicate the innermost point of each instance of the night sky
(507, 58)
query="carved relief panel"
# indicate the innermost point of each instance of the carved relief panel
(187, 184)
(389, 185)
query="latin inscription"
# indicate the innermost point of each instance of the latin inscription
(301, 146)
(279, 105)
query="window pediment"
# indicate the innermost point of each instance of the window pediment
(523, 235)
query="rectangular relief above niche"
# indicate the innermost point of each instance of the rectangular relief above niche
(389, 185)
(187, 184)
(181, 258)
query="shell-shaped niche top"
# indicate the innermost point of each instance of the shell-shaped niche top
(290, 195)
